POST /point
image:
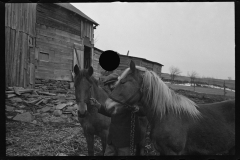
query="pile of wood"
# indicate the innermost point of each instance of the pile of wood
(17, 91)
(53, 86)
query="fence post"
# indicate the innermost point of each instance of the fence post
(224, 89)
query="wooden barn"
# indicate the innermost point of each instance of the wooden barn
(124, 63)
(45, 40)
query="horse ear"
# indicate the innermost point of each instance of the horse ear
(90, 71)
(76, 69)
(132, 66)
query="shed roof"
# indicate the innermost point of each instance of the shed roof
(133, 57)
(70, 7)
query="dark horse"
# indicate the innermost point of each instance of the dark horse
(92, 122)
(178, 125)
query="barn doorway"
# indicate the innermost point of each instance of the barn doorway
(87, 57)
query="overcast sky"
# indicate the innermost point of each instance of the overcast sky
(191, 36)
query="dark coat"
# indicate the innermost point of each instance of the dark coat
(120, 128)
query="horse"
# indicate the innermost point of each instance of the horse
(178, 125)
(92, 122)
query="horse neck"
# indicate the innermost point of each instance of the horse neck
(99, 94)
(150, 114)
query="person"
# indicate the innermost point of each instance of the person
(118, 143)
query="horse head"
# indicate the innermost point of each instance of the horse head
(127, 90)
(83, 88)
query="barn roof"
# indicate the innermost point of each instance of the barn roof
(70, 7)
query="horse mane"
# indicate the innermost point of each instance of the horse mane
(160, 97)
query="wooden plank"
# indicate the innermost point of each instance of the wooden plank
(53, 44)
(56, 24)
(7, 54)
(63, 77)
(9, 14)
(62, 72)
(34, 5)
(57, 36)
(57, 59)
(15, 53)
(55, 48)
(12, 49)
(21, 16)
(63, 55)
(58, 18)
(58, 32)
(45, 69)
(32, 54)
(6, 14)
(59, 13)
(42, 75)
(54, 41)
(32, 74)
(23, 55)
(19, 59)
(80, 55)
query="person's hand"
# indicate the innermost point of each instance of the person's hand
(95, 103)
(135, 108)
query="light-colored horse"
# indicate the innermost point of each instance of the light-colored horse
(179, 126)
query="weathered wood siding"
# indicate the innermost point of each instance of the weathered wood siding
(59, 32)
(124, 63)
(20, 20)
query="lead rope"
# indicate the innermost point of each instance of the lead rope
(132, 146)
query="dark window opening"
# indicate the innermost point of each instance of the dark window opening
(87, 57)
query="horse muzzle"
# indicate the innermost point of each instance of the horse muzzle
(82, 109)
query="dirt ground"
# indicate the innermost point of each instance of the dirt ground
(64, 137)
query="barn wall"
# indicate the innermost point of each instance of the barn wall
(20, 19)
(61, 36)
(124, 63)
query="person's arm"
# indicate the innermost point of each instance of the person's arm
(100, 107)
(103, 111)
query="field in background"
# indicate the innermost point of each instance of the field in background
(217, 82)
(202, 90)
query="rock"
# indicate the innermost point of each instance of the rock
(57, 113)
(9, 109)
(61, 154)
(9, 117)
(69, 103)
(45, 115)
(20, 111)
(45, 109)
(64, 116)
(22, 106)
(56, 119)
(16, 99)
(24, 117)
(60, 106)
(34, 122)
(45, 120)
(36, 114)
(70, 109)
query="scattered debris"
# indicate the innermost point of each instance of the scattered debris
(25, 117)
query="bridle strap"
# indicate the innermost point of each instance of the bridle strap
(126, 103)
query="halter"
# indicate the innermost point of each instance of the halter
(140, 89)
(87, 102)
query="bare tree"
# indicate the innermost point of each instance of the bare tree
(193, 75)
(174, 71)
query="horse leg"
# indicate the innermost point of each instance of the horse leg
(104, 144)
(90, 143)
